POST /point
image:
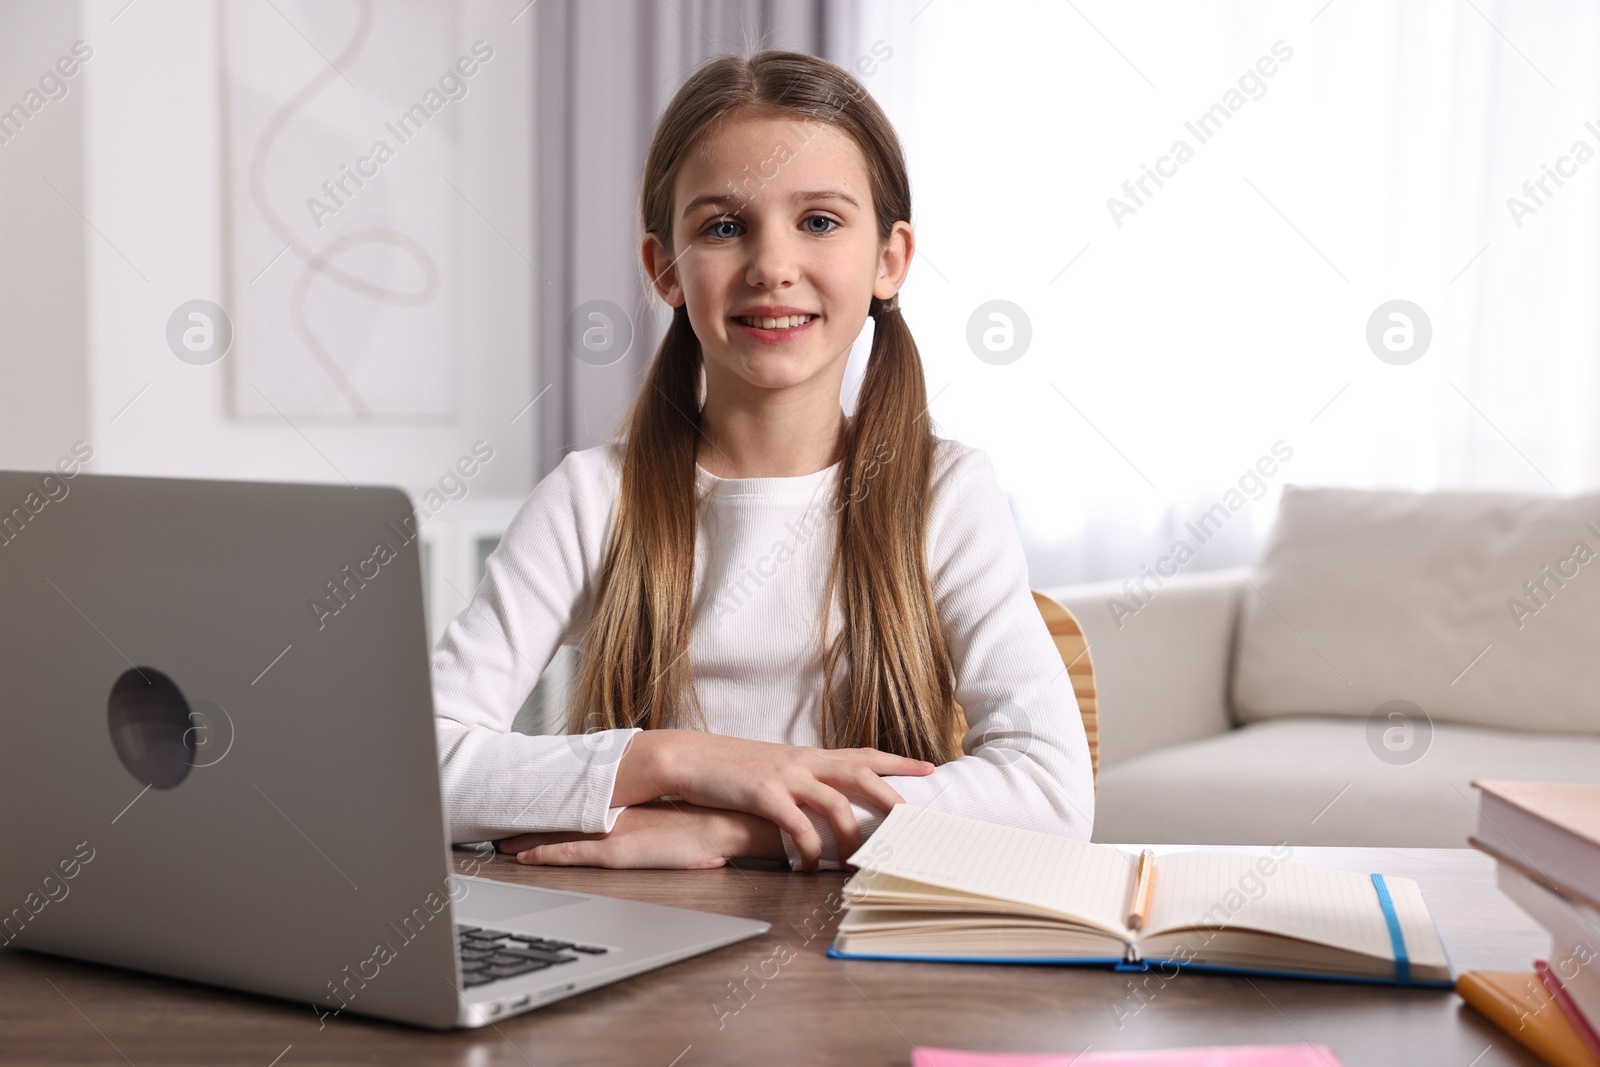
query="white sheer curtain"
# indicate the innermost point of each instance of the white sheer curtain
(1228, 312)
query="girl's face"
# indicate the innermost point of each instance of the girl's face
(776, 253)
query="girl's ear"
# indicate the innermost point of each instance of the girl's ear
(894, 261)
(659, 263)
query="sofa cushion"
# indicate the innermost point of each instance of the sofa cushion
(1478, 608)
(1317, 781)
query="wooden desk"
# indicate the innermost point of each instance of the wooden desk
(811, 1009)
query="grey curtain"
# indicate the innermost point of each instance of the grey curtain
(605, 71)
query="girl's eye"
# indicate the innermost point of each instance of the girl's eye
(726, 229)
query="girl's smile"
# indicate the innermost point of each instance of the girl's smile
(767, 324)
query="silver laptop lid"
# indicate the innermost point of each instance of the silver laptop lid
(217, 754)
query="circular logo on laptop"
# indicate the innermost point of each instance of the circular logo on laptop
(210, 732)
(151, 729)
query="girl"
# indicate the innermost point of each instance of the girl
(777, 607)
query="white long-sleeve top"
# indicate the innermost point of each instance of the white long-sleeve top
(762, 551)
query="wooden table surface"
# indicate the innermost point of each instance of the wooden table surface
(810, 1009)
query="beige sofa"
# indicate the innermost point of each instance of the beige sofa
(1385, 649)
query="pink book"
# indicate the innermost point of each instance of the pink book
(1574, 1014)
(1216, 1056)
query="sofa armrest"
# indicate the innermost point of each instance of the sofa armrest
(1161, 661)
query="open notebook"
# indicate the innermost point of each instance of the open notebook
(935, 886)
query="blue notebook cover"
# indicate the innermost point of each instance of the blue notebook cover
(1144, 965)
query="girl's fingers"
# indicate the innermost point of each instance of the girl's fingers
(873, 788)
(832, 804)
(582, 853)
(523, 842)
(792, 820)
(882, 762)
(886, 795)
(858, 779)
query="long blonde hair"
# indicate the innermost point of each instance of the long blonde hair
(633, 669)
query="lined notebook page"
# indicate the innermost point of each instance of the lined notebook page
(1089, 882)
(1337, 908)
(1416, 925)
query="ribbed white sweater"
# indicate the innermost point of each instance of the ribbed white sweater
(761, 560)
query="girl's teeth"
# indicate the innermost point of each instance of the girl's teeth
(783, 323)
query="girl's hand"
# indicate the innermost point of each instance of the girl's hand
(763, 778)
(659, 834)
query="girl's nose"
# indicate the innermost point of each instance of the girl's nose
(772, 262)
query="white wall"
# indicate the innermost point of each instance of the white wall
(43, 359)
(153, 189)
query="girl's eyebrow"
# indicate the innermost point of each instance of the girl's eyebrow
(811, 196)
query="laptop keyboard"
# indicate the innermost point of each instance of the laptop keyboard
(490, 955)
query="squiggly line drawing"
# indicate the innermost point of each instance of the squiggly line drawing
(318, 263)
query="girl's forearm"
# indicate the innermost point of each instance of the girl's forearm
(644, 772)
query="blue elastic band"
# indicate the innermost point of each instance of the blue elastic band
(1402, 962)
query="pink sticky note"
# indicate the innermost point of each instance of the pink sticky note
(1216, 1056)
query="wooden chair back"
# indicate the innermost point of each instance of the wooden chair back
(1073, 647)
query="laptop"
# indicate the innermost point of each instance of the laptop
(217, 761)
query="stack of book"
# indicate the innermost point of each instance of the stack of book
(1545, 839)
